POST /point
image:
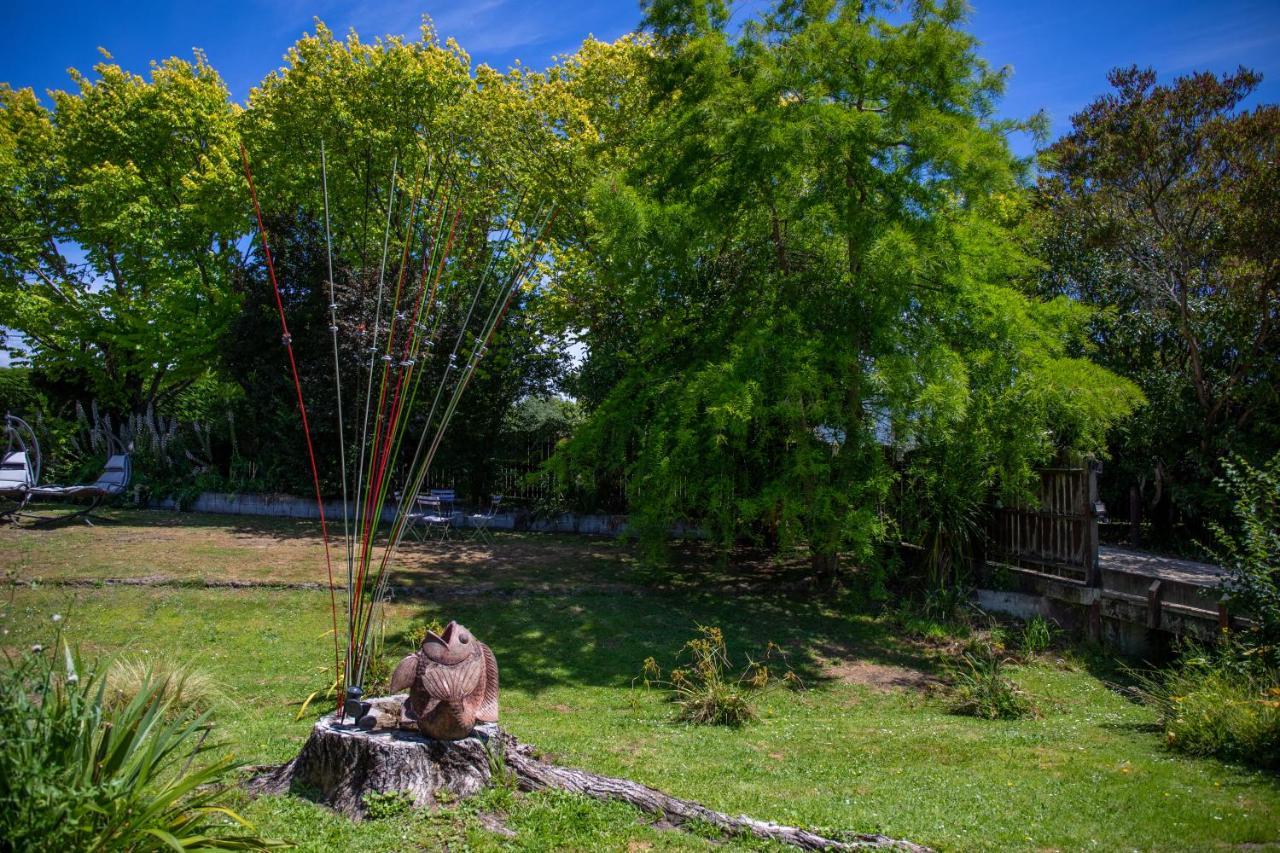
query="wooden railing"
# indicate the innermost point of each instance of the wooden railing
(1057, 532)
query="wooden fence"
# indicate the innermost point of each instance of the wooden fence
(1057, 532)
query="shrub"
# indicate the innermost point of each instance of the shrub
(1219, 704)
(1251, 551)
(79, 773)
(704, 688)
(983, 690)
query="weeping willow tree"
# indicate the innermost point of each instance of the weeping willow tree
(808, 264)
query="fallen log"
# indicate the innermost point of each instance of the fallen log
(341, 763)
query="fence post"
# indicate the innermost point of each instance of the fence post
(1093, 571)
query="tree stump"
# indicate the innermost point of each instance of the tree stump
(342, 762)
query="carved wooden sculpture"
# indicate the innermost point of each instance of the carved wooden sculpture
(452, 682)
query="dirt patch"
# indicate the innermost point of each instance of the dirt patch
(883, 678)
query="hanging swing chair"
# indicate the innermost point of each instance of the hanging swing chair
(111, 483)
(19, 466)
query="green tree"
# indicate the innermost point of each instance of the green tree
(120, 209)
(1160, 209)
(516, 141)
(811, 256)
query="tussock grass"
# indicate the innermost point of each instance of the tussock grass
(182, 687)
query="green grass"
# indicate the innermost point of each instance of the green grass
(844, 754)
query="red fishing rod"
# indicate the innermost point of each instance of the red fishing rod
(302, 408)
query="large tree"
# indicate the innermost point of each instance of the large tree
(120, 209)
(1161, 209)
(516, 142)
(809, 256)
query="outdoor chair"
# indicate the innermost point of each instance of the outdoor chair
(111, 483)
(434, 515)
(17, 478)
(482, 522)
(19, 465)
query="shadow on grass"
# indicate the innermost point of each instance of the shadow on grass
(601, 636)
(563, 610)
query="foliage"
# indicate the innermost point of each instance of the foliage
(1158, 208)
(983, 688)
(1219, 703)
(384, 804)
(418, 633)
(81, 772)
(510, 138)
(808, 260)
(703, 686)
(121, 210)
(1036, 636)
(1250, 551)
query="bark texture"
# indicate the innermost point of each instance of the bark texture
(340, 764)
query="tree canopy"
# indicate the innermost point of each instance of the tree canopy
(1160, 211)
(120, 209)
(811, 260)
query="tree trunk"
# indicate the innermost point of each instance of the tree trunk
(342, 763)
(826, 567)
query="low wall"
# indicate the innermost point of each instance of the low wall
(289, 506)
(1140, 625)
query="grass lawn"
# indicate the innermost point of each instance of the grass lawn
(867, 747)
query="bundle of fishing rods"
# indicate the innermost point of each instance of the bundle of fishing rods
(467, 248)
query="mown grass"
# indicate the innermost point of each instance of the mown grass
(1088, 772)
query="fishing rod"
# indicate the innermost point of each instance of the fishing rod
(297, 385)
(436, 258)
(496, 314)
(416, 477)
(337, 368)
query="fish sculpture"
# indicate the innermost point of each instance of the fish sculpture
(452, 682)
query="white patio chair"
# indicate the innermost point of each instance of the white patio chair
(481, 522)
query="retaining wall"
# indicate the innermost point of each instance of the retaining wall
(289, 506)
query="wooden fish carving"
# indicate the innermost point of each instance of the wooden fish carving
(452, 682)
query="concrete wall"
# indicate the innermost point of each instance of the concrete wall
(288, 506)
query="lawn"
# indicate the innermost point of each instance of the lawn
(869, 746)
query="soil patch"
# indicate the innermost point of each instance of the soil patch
(883, 678)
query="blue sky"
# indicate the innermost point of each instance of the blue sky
(1059, 52)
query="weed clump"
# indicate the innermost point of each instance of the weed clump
(1037, 636)
(704, 687)
(982, 689)
(379, 805)
(1217, 705)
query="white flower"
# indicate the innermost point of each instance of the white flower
(37, 648)
(57, 617)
